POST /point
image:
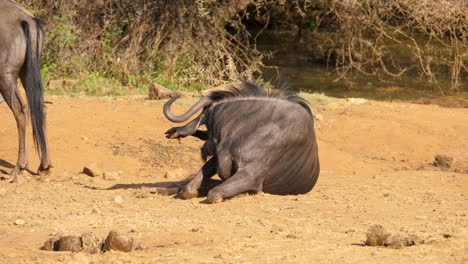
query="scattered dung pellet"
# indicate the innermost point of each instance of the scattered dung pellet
(443, 161)
(49, 245)
(118, 242)
(52, 243)
(91, 243)
(69, 243)
(376, 236)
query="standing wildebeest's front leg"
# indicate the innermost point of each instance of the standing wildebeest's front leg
(206, 172)
(12, 97)
(244, 180)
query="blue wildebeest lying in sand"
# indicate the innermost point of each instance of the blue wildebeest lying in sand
(255, 141)
(20, 47)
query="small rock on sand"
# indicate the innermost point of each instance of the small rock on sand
(140, 247)
(49, 245)
(356, 101)
(118, 242)
(399, 241)
(112, 175)
(377, 236)
(20, 222)
(52, 243)
(92, 170)
(176, 174)
(443, 161)
(118, 199)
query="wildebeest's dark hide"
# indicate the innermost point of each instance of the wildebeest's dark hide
(256, 140)
(21, 37)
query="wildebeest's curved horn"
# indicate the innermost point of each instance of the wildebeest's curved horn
(184, 117)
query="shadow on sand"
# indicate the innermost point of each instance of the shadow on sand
(6, 164)
(163, 188)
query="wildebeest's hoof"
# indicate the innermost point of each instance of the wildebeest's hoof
(187, 195)
(18, 170)
(214, 197)
(44, 172)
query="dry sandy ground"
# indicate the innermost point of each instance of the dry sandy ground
(372, 158)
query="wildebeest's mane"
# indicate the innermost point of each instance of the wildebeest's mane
(246, 89)
(236, 90)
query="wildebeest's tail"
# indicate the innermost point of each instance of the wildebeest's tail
(34, 88)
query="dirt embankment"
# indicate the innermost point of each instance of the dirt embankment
(374, 156)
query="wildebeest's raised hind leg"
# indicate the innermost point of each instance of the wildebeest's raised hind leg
(12, 97)
(206, 172)
(244, 180)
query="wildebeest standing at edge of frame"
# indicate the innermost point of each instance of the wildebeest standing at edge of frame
(21, 38)
(256, 140)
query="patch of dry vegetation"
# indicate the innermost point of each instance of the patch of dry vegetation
(373, 33)
(210, 42)
(181, 41)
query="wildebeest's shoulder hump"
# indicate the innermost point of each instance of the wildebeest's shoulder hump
(246, 89)
(236, 90)
(296, 99)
